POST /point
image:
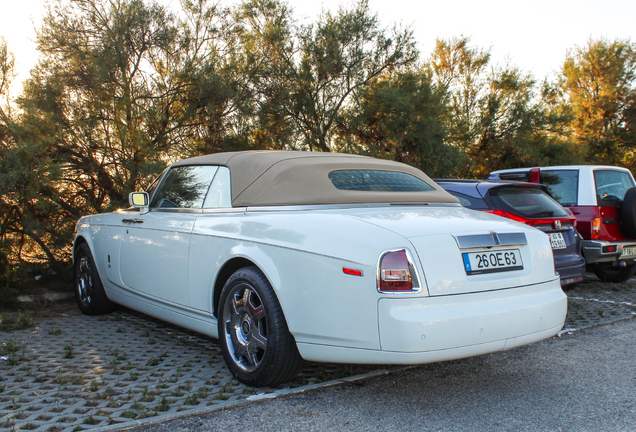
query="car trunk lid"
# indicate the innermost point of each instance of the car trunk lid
(446, 239)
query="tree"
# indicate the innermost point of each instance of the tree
(400, 117)
(99, 116)
(597, 85)
(7, 72)
(494, 116)
(301, 78)
(264, 46)
(340, 56)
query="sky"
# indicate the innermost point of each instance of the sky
(533, 35)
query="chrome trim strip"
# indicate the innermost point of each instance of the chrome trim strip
(491, 239)
(510, 239)
(176, 210)
(224, 210)
(475, 240)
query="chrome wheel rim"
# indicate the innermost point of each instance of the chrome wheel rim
(85, 281)
(245, 327)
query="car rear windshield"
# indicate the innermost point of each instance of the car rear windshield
(562, 185)
(611, 185)
(527, 201)
(379, 181)
(469, 201)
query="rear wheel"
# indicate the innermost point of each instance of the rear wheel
(89, 291)
(614, 274)
(253, 333)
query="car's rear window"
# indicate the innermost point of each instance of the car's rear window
(562, 185)
(469, 201)
(527, 201)
(611, 185)
(377, 181)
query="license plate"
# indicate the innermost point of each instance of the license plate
(557, 241)
(490, 262)
(628, 251)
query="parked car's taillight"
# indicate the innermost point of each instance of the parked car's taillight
(509, 215)
(596, 229)
(531, 221)
(570, 211)
(394, 272)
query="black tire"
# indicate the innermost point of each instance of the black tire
(89, 291)
(628, 213)
(253, 333)
(614, 274)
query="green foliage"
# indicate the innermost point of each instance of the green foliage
(15, 321)
(399, 117)
(340, 56)
(493, 115)
(305, 77)
(597, 85)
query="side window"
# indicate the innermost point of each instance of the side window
(468, 201)
(611, 185)
(563, 185)
(220, 194)
(184, 187)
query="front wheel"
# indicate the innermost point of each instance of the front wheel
(253, 333)
(89, 291)
(614, 274)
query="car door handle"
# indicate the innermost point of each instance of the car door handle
(132, 220)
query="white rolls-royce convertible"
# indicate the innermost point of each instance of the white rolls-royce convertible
(286, 256)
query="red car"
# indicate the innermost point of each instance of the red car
(603, 199)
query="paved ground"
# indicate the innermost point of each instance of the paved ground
(72, 372)
(581, 382)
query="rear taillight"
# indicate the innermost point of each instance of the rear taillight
(572, 214)
(510, 215)
(596, 229)
(395, 272)
(531, 221)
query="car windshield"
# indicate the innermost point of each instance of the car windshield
(372, 180)
(153, 186)
(611, 185)
(529, 202)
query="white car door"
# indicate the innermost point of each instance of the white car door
(155, 246)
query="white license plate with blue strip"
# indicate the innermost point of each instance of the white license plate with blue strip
(492, 261)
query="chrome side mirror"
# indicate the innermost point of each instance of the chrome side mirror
(139, 200)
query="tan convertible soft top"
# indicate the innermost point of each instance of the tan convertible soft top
(274, 178)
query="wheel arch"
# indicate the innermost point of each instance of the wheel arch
(79, 240)
(224, 274)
